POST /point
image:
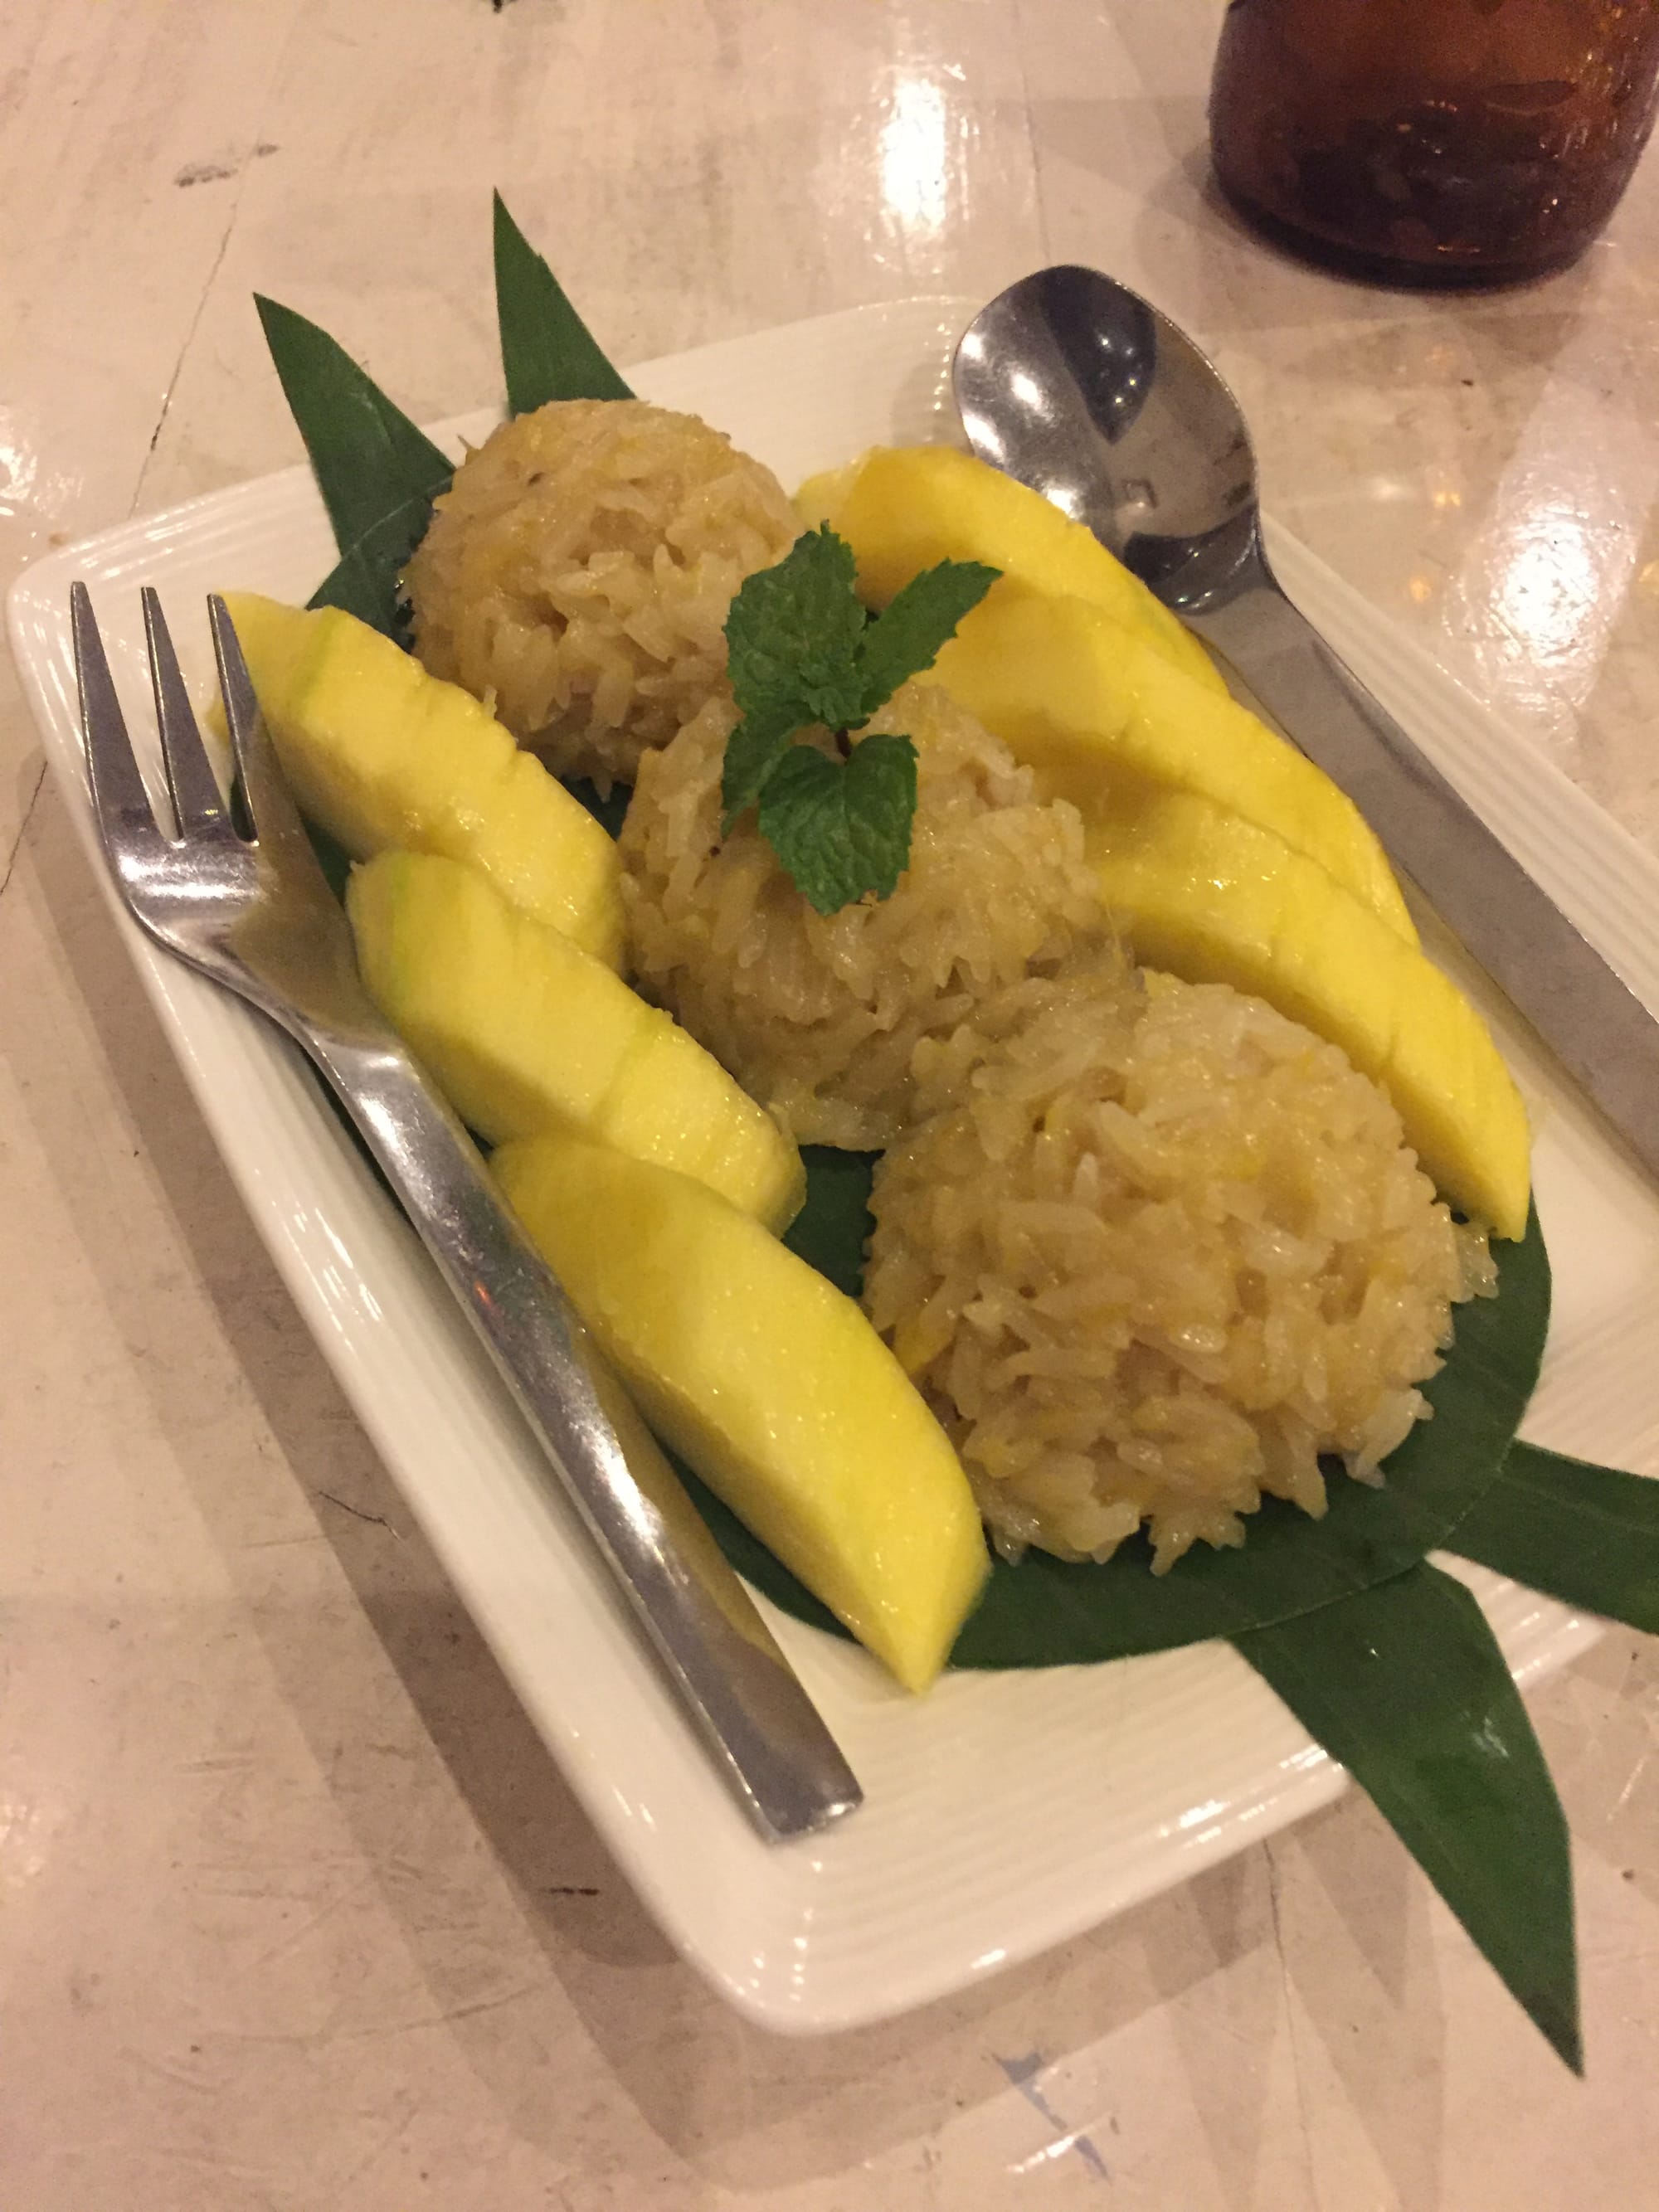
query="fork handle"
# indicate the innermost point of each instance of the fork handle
(720, 1657)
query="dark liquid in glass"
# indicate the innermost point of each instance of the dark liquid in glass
(1433, 142)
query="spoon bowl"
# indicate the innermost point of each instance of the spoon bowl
(1080, 388)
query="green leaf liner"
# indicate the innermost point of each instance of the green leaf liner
(1587, 1535)
(377, 472)
(1404, 1684)
(364, 582)
(1044, 1612)
(835, 1223)
(548, 352)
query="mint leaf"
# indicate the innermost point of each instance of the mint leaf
(751, 750)
(793, 634)
(800, 652)
(907, 638)
(842, 828)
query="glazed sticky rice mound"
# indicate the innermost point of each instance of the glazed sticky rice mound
(579, 572)
(1153, 1251)
(818, 1015)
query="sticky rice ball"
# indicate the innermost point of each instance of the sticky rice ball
(818, 1015)
(578, 573)
(1150, 1251)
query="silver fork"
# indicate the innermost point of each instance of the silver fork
(254, 912)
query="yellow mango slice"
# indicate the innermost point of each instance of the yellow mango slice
(902, 508)
(1095, 709)
(1217, 899)
(523, 1031)
(771, 1384)
(382, 755)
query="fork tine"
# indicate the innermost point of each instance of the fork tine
(118, 796)
(197, 799)
(272, 816)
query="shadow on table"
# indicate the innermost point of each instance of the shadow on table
(745, 2109)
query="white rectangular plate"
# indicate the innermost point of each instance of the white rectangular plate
(1004, 1812)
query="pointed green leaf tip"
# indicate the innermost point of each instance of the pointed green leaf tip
(1587, 1535)
(1405, 1685)
(802, 655)
(548, 352)
(377, 472)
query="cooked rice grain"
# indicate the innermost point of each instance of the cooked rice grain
(1155, 1250)
(579, 570)
(818, 1015)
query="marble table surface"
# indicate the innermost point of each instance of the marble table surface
(294, 1912)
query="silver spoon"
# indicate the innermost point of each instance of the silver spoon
(1077, 386)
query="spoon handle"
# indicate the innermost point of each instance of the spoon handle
(1596, 1025)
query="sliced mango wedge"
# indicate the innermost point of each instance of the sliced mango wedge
(523, 1031)
(1098, 711)
(382, 755)
(1217, 899)
(902, 508)
(771, 1384)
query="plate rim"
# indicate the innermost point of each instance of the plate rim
(1302, 1781)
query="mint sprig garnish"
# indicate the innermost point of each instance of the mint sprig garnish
(803, 653)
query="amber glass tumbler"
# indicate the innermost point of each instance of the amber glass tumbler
(1433, 142)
